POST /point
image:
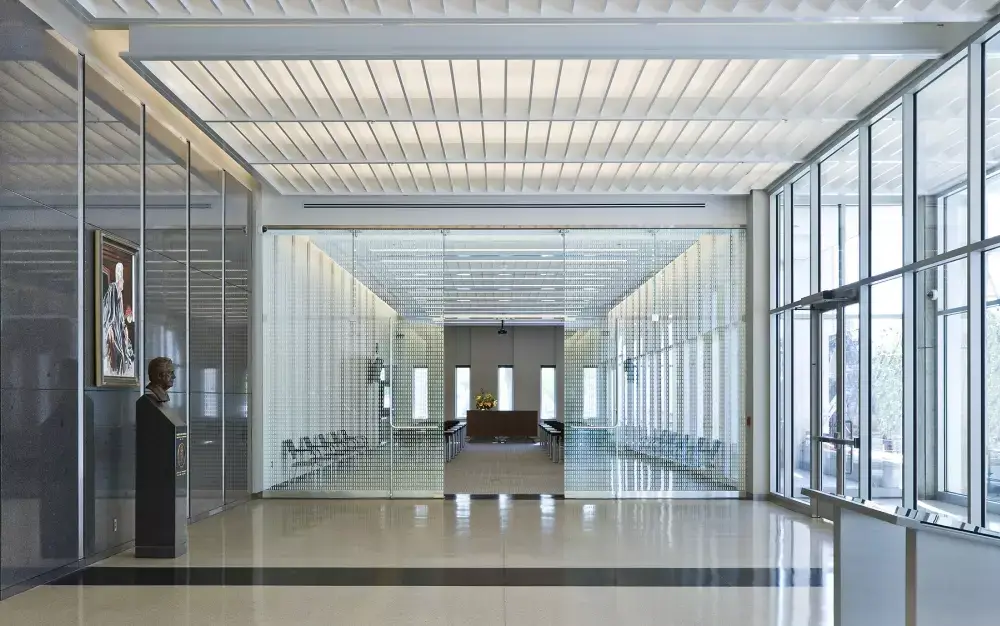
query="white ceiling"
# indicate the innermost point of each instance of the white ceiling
(473, 97)
(526, 126)
(524, 277)
(915, 10)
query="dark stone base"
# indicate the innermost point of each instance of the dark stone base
(160, 552)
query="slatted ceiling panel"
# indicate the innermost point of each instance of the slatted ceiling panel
(567, 126)
(498, 9)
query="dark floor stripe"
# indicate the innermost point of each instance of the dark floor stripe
(447, 577)
(511, 496)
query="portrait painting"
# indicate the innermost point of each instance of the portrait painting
(115, 311)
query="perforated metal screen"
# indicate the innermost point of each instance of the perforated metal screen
(652, 365)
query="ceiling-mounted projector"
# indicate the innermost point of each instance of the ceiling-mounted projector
(502, 331)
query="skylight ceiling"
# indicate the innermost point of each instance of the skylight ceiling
(526, 277)
(526, 126)
(251, 10)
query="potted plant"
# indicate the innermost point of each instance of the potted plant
(485, 401)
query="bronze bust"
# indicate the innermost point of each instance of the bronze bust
(161, 379)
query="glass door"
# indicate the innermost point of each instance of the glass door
(835, 375)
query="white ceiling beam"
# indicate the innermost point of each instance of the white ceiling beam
(794, 116)
(150, 42)
(369, 161)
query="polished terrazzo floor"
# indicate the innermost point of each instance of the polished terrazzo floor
(495, 468)
(465, 561)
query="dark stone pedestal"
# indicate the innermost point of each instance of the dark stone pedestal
(161, 452)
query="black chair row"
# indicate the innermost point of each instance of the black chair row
(688, 451)
(327, 448)
(550, 434)
(454, 438)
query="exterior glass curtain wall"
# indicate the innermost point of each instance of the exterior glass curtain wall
(884, 316)
(654, 335)
(77, 156)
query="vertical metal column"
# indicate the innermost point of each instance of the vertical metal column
(976, 285)
(222, 364)
(864, 311)
(81, 199)
(788, 321)
(815, 409)
(840, 354)
(140, 333)
(814, 228)
(910, 405)
(187, 306)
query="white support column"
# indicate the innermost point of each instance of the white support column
(758, 385)
(910, 404)
(257, 395)
(977, 305)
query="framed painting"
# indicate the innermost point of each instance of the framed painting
(115, 311)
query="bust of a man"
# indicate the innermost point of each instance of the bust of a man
(161, 379)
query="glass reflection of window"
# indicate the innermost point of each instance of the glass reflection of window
(887, 192)
(942, 386)
(463, 392)
(589, 392)
(942, 161)
(420, 393)
(779, 215)
(505, 388)
(886, 391)
(548, 386)
(801, 227)
(780, 408)
(991, 140)
(838, 229)
(991, 383)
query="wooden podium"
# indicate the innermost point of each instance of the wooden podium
(161, 466)
(514, 424)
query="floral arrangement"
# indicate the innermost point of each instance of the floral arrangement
(485, 401)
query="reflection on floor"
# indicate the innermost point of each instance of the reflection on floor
(465, 561)
(484, 468)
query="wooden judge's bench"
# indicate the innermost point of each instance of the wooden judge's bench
(514, 424)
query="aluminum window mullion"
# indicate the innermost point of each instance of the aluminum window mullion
(786, 217)
(81, 229)
(864, 395)
(814, 228)
(976, 287)
(789, 344)
(865, 309)
(910, 404)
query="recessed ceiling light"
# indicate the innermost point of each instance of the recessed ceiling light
(463, 288)
(503, 300)
(548, 288)
(461, 300)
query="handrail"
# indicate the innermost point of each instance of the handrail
(837, 441)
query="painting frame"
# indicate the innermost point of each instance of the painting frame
(109, 251)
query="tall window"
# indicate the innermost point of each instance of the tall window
(420, 393)
(887, 192)
(887, 390)
(505, 388)
(548, 386)
(463, 394)
(589, 392)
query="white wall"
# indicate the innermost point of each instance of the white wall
(527, 348)
(320, 331)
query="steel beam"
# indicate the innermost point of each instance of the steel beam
(150, 42)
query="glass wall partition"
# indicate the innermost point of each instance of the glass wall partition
(83, 164)
(652, 356)
(917, 384)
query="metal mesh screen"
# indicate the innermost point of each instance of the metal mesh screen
(653, 387)
(354, 392)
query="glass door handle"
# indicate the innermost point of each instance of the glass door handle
(837, 441)
(613, 426)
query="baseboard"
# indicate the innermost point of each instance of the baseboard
(56, 574)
